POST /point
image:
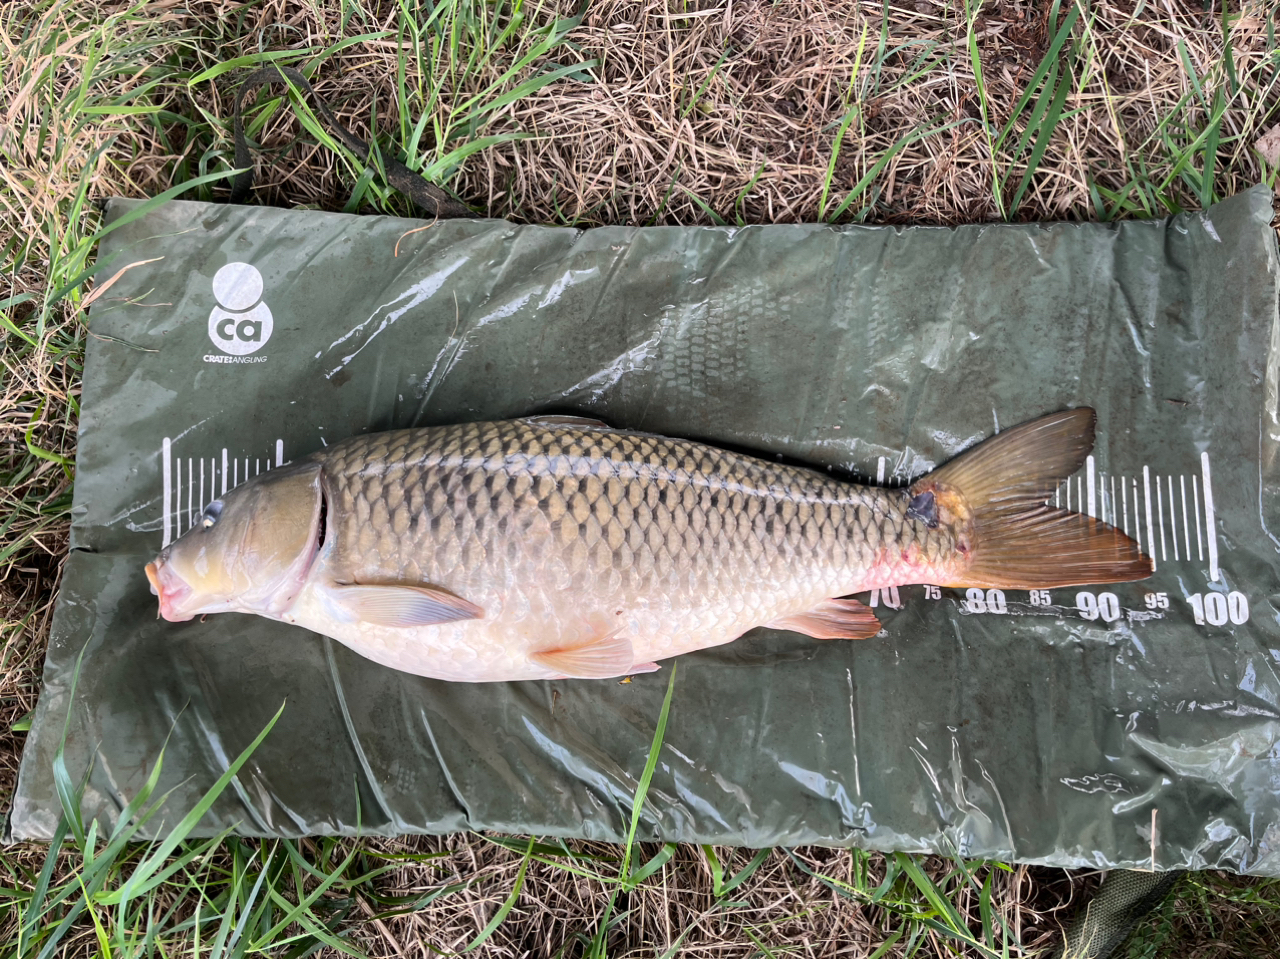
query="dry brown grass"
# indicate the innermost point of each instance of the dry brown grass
(736, 104)
(698, 110)
(780, 905)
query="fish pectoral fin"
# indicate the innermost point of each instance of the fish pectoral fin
(603, 657)
(832, 619)
(404, 606)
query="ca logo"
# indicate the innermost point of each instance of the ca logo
(240, 324)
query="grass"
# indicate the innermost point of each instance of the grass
(674, 112)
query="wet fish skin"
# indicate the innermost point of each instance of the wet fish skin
(558, 532)
(557, 546)
(468, 504)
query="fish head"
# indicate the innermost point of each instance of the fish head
(249, 552)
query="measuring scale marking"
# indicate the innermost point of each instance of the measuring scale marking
(1164, 507)
(202, 487)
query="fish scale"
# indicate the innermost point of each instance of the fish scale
(592, 522)
(556, 546)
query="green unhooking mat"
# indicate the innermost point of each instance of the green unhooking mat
(1127, 725)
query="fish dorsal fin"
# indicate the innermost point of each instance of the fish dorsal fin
(832, 619)
(600, 658)
(559, 421)
(404, 606)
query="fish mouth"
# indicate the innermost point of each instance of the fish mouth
(172, 591)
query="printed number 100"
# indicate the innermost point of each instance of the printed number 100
(1215, 609)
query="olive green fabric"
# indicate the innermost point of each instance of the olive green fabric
(1038, 728)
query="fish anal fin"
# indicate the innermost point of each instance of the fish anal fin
(602, 657)
(832, 619)
(404, 606)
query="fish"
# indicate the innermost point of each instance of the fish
(556, 547)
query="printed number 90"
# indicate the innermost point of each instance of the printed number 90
(990, 601)
(1105, 606)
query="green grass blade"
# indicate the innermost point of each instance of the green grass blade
(693, 101)
(674, 948)
(1043, 137)
(1185, 56)
(711, 214)
(218, 946)
(143, 877)
(246, 913)
(138, 211)
(454, 158)
(717, 871)
(660, 859)
(501, 914)
(745, 873)
(1036, 119)
(306, 902)
(852, 112)
(1048, 62)
(860, 187)
(249, 62)
(646, 777)
(68, 797)
(984, 109)
(40, 890)
(942, 906)
(104, 944)
(522, 90)
(744, 192)
(1211, 150)
(885, 946)
(984, 910)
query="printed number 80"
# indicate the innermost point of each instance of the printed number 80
(990, 601)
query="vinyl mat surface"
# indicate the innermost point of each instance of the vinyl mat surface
(1052, 727)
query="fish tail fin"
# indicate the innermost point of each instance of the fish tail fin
(997, 494)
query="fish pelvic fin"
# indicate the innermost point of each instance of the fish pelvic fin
(832, 619)
(602, 657)
(995, 495)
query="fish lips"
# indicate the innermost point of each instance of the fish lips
(171, 589)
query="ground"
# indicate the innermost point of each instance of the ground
(738, 111)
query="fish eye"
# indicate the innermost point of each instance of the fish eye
(211, 514)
